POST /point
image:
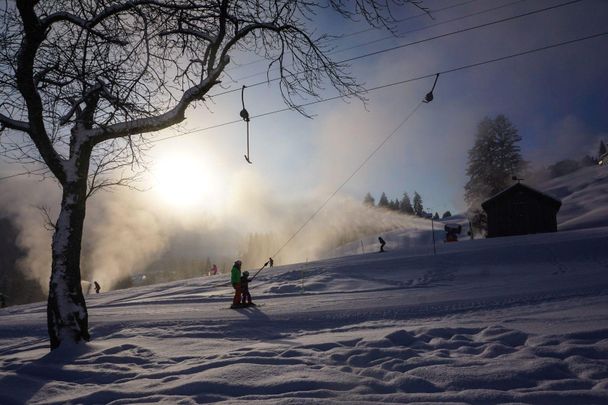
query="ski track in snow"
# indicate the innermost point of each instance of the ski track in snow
(520, 320)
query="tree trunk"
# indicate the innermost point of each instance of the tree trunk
(67, 315)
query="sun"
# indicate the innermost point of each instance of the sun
(186, 182)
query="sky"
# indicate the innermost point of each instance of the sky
(556, 98)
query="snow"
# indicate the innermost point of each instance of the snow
(517, 320)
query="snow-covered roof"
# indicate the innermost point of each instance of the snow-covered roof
(520, 186)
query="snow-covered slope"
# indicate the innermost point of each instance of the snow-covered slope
(509, 320)
(584, 196)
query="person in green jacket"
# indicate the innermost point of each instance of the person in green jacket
(235, 279)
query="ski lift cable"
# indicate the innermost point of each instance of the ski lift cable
(397, 47)
(350, 34)
(406, 45)
(460, 31)
(380, 87)
(451, 20)
(397, 83)
(401, 34)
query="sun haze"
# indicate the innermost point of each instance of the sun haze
(185, 182)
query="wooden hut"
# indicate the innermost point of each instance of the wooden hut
(521, 210)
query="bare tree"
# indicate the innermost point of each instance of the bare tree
(83, 81)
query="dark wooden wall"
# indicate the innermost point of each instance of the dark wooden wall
(520, 213)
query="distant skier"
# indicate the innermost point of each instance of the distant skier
(270, 262)
(97, 287)
(213, 270)
(246, 296)
(382, 243)
(235, 279)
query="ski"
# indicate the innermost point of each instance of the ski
(241, 306)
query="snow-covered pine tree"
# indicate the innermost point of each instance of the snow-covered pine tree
(406, 205)
(494, 158)
(418, 206)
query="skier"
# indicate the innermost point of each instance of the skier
(270, 262)
(235, 279)
(382, 243)
(246, 296)
(97, 287)
(213, 270)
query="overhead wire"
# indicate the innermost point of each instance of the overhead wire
(339, 37)
(414, 42)
(371, 89)
(400, 82)
(417, 42)
(347, 35)
(322, 100)
(404, 33)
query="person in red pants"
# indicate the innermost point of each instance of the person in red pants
(235, 278)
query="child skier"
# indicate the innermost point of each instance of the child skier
(246, 297)
(235, 279)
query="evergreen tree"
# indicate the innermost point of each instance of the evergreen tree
(406, 205)
(602, 149)
(493, 160)
(418, 207)
(383, 202)
(368, 200)
(395, 205)
(446, 214)
(436, 216)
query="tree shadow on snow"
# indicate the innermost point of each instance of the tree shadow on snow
(25, 381)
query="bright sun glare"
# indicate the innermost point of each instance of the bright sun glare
(185, 182)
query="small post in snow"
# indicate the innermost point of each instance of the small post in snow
(433, 233)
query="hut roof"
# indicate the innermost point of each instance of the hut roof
(517, 187)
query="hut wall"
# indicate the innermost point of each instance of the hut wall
(520, 214)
